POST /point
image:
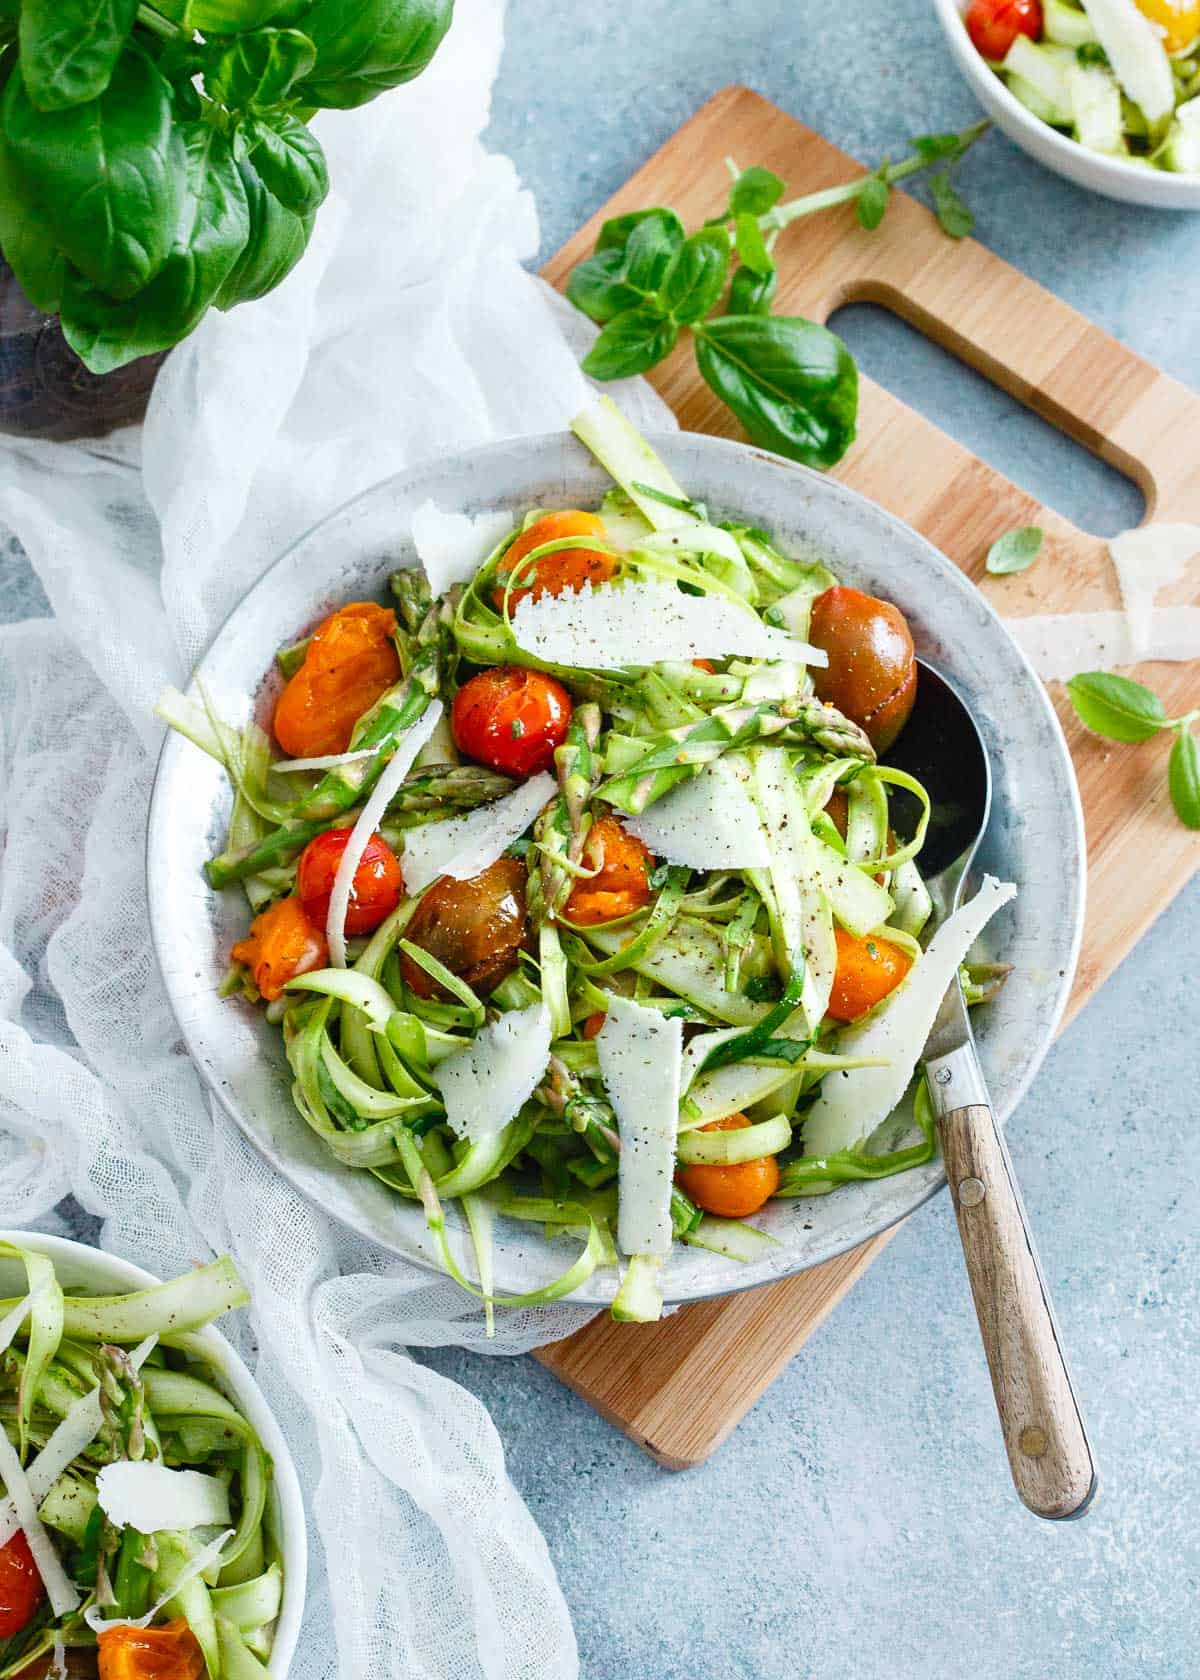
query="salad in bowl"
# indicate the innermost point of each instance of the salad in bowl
(579, 888)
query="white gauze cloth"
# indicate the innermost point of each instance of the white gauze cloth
(410, 329)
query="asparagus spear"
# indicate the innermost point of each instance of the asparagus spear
(560, 830)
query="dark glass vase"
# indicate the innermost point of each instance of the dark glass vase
(45, 390)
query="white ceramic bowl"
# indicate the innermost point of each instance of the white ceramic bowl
(1034, 837)
(92, 1269)
(1111, 176)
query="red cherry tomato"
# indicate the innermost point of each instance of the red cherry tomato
(511, 719)
(994, 25)
(377, 888)
(21, 1589)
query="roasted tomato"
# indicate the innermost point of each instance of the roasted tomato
(867, 970)
(169, 1652)
(994, 25)
(594, 1025)
(734, 1191)
(376, 890)
(872, 670)
(474, 928)
(282, 943)
(511, 719)
(622, 882)
(351, 661)
(21, 1589)
(566, 568)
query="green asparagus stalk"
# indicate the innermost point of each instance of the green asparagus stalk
(561, 829)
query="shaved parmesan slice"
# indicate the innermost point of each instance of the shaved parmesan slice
(1059, 646)
(397, 767)
(197, 1565)
(59, 1588)
(149, 1496)
(76, 1431)
(13, 1320)
(1147, 560)
(709, 822)
(58, 1669)
(851, 1104)
(1137, 55)
(640, 1053)
(644, 622)
(329, 761)
(453, 546)
(465, 846)
(485, 1085)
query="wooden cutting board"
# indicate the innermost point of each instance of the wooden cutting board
(680, 1386)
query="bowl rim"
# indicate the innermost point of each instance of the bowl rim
(293, 1527)
(978, 73)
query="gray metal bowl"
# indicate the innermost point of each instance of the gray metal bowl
(1035, 836)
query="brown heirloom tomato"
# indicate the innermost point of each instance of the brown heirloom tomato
(566, 568)
(350, 662)
(622, 884)
(282, 943)
(474, 928)
(872, 670)
(734, 1191)
(511, 719)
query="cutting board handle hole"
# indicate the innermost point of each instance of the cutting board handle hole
(972, 407)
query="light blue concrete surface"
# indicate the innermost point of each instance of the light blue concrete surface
(859, 1525)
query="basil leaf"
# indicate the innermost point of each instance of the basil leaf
(756, 190)
(104, 182)
(791, 383)
(696, 278)
(651, 249)
(750, 293)
(278, 239)
(596, 286)
(1092, 53)
(872, 203)
(106, 332)
(1183, 778)
(1015, 551)
(1116, 707)
(259, 68)
(614, 234)
(952, 214)
(290, 160)
(230, 17)
(365, 47)
(69, 48)
(751, 246)
(630, 344)
(933, 146)
(37, 262)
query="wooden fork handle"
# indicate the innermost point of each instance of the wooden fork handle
(1047, 1445)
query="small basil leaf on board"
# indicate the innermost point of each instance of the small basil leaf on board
(1015, 551)
(652, 247)
(872, 203)
(953, 216)
(1183, 778)
(1116, 707)
(290, 160)
(104, 182)
(69, 48)
(696, 278)
(791, 383)
(751, 246)
(630, 344)
(365, 47)
(596, 286)
(756, 191)
(278, 239)
(614, 234)
(750, 293)
(259, 68)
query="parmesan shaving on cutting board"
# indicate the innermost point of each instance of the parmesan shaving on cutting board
(452, 546)
(640, 1053)
(465, 846)
(1060, 645)
(1147, 560)
(644, 622)
(485, 1085)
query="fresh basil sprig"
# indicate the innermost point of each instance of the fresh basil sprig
(156, 159)
(791, 383)
(1123, 710)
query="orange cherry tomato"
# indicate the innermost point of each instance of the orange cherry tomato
(377, 888)
(282, 943)
(735, 1191)
(594, 1025)
(474, 928)
(872, 670)
(867, 970)
(705, 665)
(21, 1589)
(168, 1652)
(994, 25)
(511, 719)
(350, 662)
(566, 568)
(622, 884)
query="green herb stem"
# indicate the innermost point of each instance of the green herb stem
(783, 214)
